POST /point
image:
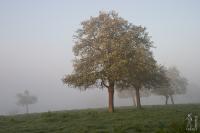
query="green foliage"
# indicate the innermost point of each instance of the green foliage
(107, 49)
(150, 119)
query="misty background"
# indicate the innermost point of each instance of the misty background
(36, 48)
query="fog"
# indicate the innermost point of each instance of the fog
(36, 49)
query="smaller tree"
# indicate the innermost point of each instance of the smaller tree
(177, 85)
(24, 99)
(147, 75)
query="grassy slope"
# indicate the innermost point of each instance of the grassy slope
(124, 120)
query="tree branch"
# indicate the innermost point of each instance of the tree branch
(102, 82)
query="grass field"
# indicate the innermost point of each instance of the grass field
(155, 119)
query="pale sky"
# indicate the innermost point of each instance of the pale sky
(36, 46)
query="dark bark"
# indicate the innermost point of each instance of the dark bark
(138, 98)
(111, 98)
(172, 99)
(167, 97)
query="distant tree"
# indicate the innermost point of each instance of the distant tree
(24, 99)
(131, 93)
(177, 85)
(107, 50)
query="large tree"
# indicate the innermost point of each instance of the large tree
(177, 85)
(107, 48)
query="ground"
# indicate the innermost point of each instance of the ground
(155, 119)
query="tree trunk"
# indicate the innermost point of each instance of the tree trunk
(134, 99)
(27, 109)
(111, 98)
(172, 99)
(138, 98)
(166, 102)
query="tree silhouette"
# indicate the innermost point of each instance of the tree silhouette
(24, 99)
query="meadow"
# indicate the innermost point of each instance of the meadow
(149, 119)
